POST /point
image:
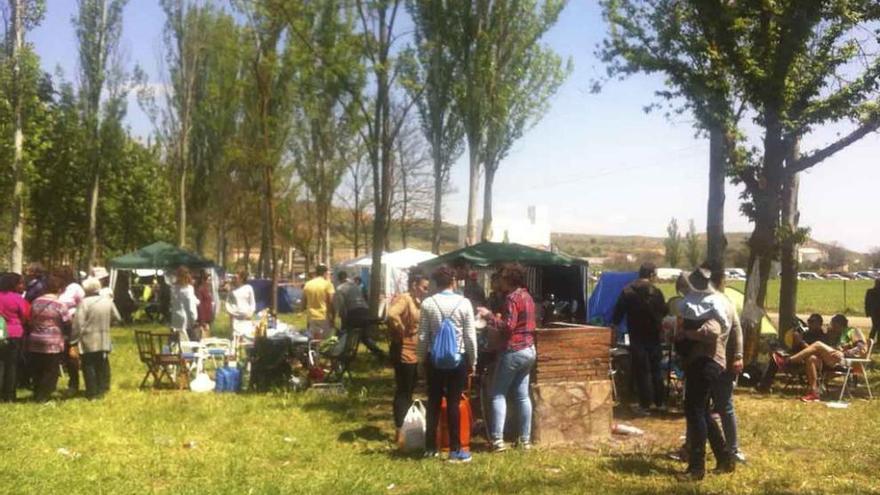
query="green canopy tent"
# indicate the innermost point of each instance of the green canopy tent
(163, 256)
(551, 275)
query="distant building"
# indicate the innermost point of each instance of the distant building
(811, 255)
(531, 230)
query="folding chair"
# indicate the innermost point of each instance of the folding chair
(853, 367)
(217, 350)
(169, 361)
(145, 354)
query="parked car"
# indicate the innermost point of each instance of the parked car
(809, 276)
(834, 276)
(864, 276)
(735, 274)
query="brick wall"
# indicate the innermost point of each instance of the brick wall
(577, 354)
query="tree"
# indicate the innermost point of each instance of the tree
(184, 36)
(663, 37)
(673, 244)
(382, 125)
(874, 257)
(98, 27)
(269, 105)
(692, 246)
(326, 120)
(434, 72)
(414, 184)
(24, 16)
(836, 257)
(356, 196)
(799, 66)
(506, 80)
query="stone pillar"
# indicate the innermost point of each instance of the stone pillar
(572, 389)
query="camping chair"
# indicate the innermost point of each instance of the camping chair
(216, 350)
(852, 368)
(191, 351)
(145, 354)
(164, 364)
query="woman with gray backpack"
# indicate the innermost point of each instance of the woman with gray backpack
(447, 350)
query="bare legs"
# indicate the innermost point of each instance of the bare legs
(814, 357)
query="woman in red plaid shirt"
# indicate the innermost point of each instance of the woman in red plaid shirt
(516, 356)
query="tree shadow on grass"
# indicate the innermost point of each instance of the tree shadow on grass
(640, 465)
(369, 433)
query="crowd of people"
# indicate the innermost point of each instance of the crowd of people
(423, 316)
(55, 322)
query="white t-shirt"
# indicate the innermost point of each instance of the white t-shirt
(71, 297)
(241, 304)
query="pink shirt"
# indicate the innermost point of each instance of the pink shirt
(16, 311)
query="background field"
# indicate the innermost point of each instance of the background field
(134, 442)
(814, 296)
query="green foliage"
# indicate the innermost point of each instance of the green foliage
(672, 244)
(693, 250)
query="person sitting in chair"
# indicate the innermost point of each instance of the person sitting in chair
(800, 340)
(850, 344)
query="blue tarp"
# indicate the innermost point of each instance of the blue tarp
(605, 295)
(263, 292)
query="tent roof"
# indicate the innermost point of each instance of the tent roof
(491, 253)
(159, 255)
(406, 258)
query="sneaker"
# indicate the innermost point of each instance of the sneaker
(430, 454)
(499, 446)
(689, 476)
(525, 445)
(725, 467)
(460, 456)
(811, 397)
(640, 411)
(780, 360)
(739, 457)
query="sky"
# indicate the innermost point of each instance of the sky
(597, 162)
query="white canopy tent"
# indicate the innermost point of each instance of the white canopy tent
(395, 268)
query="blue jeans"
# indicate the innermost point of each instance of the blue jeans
(722, 399)
(512, 372)
(701, 377)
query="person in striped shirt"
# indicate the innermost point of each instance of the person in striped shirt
(448, 383)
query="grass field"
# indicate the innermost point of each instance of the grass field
(142, 442)
(814, 296)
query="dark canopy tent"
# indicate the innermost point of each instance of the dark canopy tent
(556, 274)
(160, 256)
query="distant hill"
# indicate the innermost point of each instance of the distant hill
(629, 250)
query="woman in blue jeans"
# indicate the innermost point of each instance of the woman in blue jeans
(516, 358)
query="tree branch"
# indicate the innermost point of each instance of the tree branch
(820, 155)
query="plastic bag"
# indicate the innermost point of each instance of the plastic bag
(202, 383)
(412, 433)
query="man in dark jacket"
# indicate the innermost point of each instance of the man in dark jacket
(872, 309)
(644, 307)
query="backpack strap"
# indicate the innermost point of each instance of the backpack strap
(442, 316)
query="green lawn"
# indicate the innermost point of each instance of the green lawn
(814, 296)
(136, 442)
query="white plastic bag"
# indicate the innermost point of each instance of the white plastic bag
(202, 383)
(412, 433)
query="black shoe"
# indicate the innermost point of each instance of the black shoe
(689, 476)
(726, 467)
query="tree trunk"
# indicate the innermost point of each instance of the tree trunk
(789, 281)
(93, 219)
(716, 241)
(181, 227)
(403, 214)
(17, 248)
(473, 192)
(487, 202)
(438, 205)
(270, 220)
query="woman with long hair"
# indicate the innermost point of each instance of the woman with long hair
(403, 322)
(184, 305)
(205, 295)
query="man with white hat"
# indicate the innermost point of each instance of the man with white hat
(705, 327)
